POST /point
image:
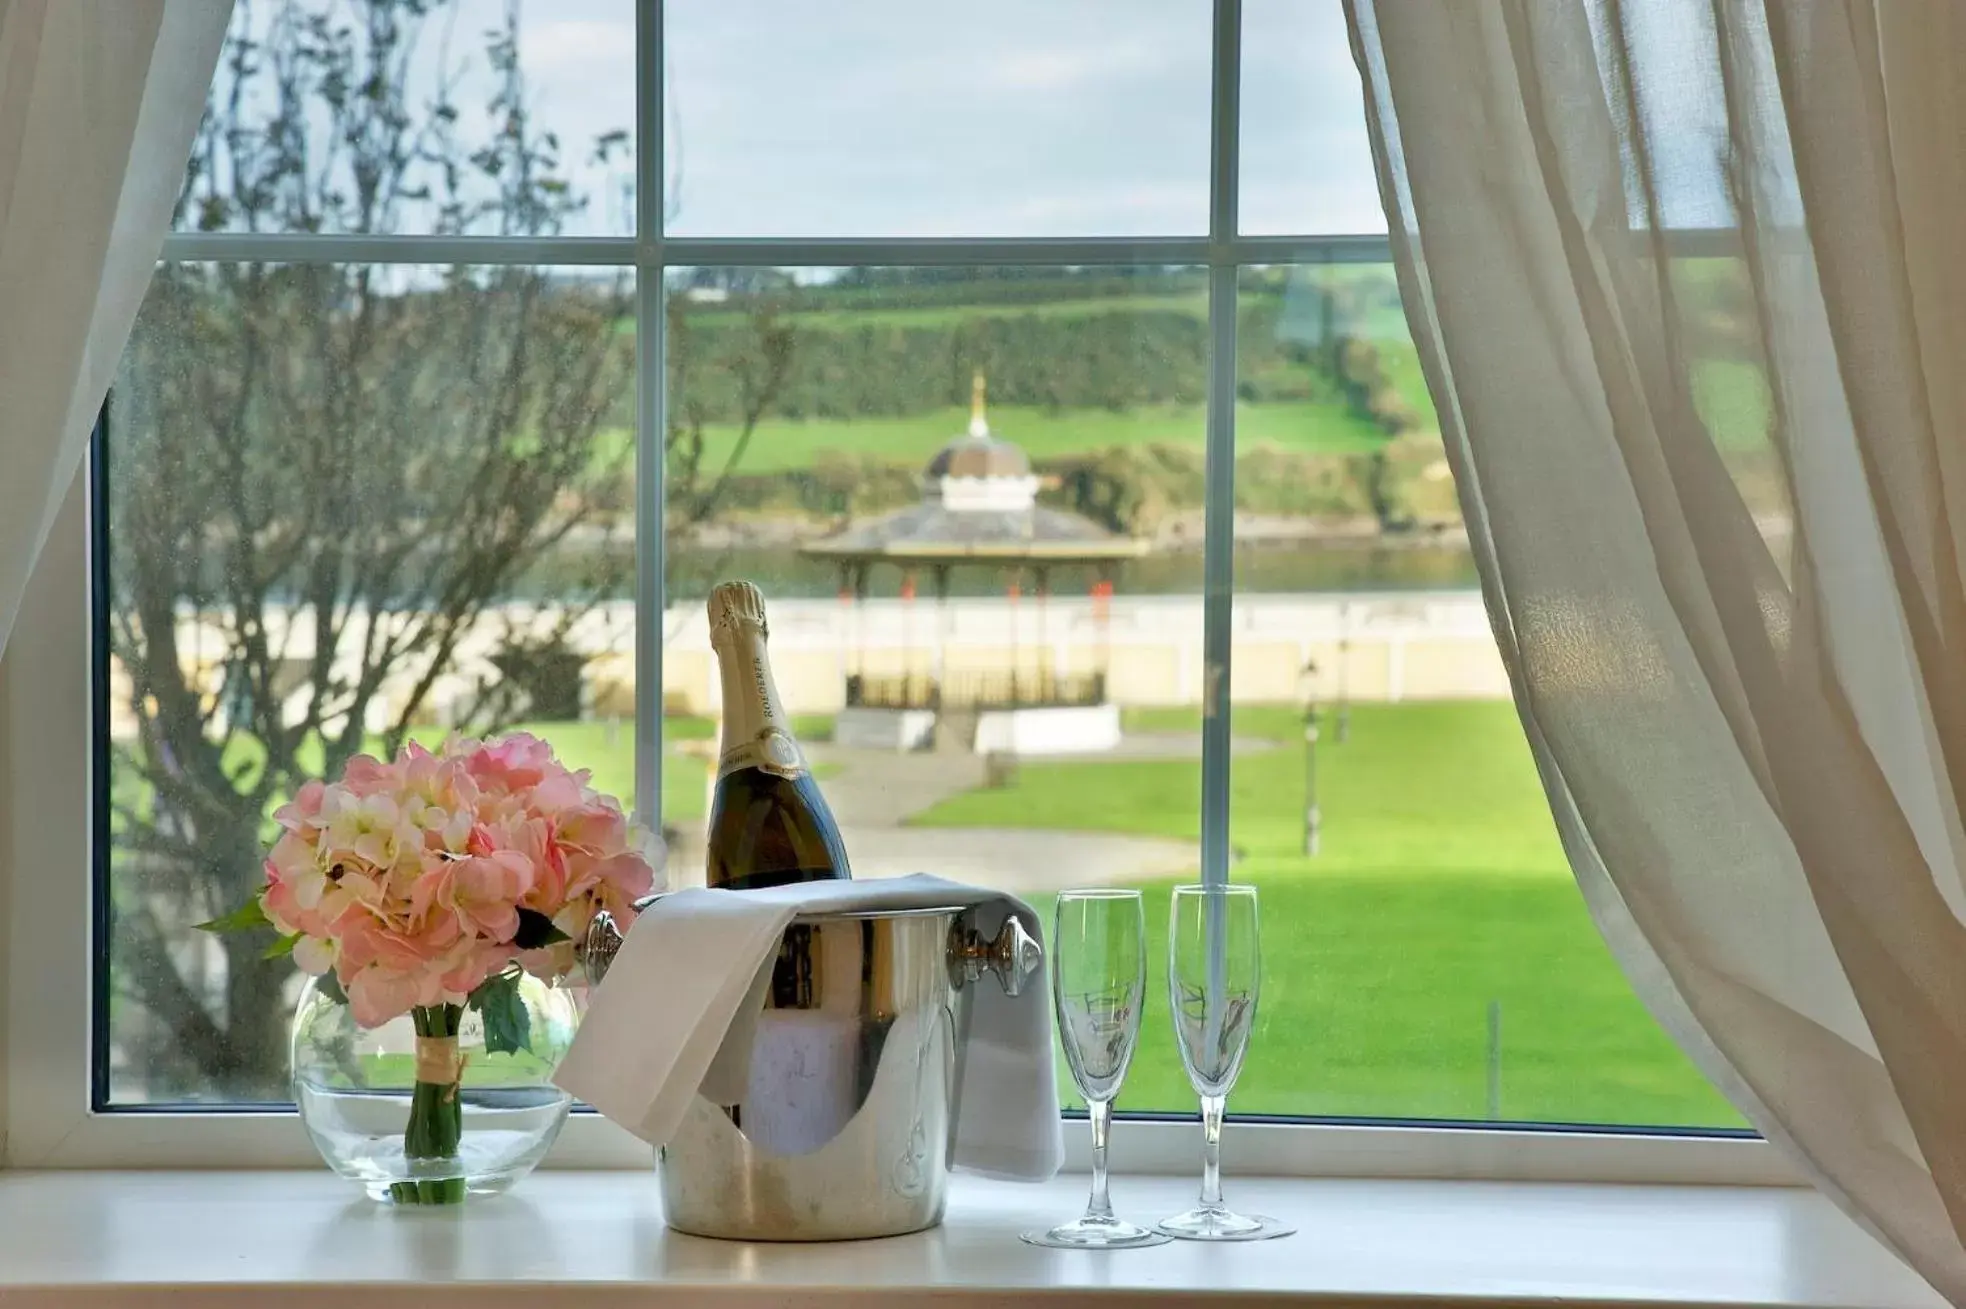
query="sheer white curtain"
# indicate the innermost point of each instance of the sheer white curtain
(99, 100)
(1688, 278)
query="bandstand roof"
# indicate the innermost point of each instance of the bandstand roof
(931, 533)
(979, 501)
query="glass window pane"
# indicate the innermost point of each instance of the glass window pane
(1305, 158)
(937, 118)
(973, 501)
(347, 506)
(1432, 958)
(486, 117)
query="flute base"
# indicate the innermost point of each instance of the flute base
(1215, 1223)
(1090, 1233)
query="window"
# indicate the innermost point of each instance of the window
(475, 358)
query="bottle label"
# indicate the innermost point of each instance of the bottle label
(772, 750)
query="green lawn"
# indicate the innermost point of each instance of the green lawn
(1440, 889)
(784, 444)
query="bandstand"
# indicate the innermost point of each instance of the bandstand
(1003, 681)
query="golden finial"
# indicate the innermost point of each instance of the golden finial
(978, 425)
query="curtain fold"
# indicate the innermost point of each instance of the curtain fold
(1688, 282)
(99, 101)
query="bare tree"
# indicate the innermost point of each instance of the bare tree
(326, 479)
(339, 494)
(697, 479)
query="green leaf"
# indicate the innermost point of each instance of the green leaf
(283, 947)
(536, 930)
(508, 1024)
(330, 986)
(247, 916)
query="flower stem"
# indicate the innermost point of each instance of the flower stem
(436, 1115)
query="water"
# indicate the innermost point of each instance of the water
(1280, 568)
(1271, 568)
(507, 1131)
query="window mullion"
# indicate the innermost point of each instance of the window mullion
(917, 252)
(780, 252)
(1218, 557)
(651, 376)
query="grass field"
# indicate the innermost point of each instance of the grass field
(785, 444)
(1730, 396)
(1441, 890)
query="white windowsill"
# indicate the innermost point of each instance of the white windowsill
(308, 1239)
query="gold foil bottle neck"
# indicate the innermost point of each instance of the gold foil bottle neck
(736, 604)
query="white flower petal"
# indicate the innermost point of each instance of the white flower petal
(312, 956)
(308, 889)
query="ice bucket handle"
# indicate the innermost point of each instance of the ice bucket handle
(597, 946)
(1012, 956)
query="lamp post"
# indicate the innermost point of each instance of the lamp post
(1312, 819)
(1344, 672)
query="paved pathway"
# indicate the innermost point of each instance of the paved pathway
(873, 793)
(875, 788)
(1021, 859)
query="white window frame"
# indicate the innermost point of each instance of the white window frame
(47, 742)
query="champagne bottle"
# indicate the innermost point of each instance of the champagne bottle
(769, 824)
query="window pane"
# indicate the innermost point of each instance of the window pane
(937, 118)
(973, 500)
(1306, 160)
(488, 117)
(347, 506)
(1433, 957)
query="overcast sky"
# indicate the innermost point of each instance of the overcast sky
(877, 118)
(958, 117)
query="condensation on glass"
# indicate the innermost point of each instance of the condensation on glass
(972, 497)
(942, 118)
(348, 503)
(404, 117)
(1305, 159)
(1427, 954)
(347, 507)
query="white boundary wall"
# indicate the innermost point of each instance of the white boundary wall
(1366, 646)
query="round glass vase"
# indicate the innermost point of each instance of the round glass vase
(357, 1091)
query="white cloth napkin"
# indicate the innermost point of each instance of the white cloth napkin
(680, 1003)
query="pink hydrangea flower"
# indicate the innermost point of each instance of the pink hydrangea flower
(412, 879)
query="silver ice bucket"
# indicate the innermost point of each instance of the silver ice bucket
(843, 1125)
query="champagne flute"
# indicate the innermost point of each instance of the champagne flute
(1099, 982)
(1214, 972)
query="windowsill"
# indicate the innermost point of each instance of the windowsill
(210, 1238)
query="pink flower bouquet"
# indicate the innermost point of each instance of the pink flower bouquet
(423, 885)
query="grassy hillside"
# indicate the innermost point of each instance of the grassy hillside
(783, 445)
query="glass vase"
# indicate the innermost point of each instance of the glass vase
(361, 1098)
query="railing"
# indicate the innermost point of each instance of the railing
(1034, 690)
